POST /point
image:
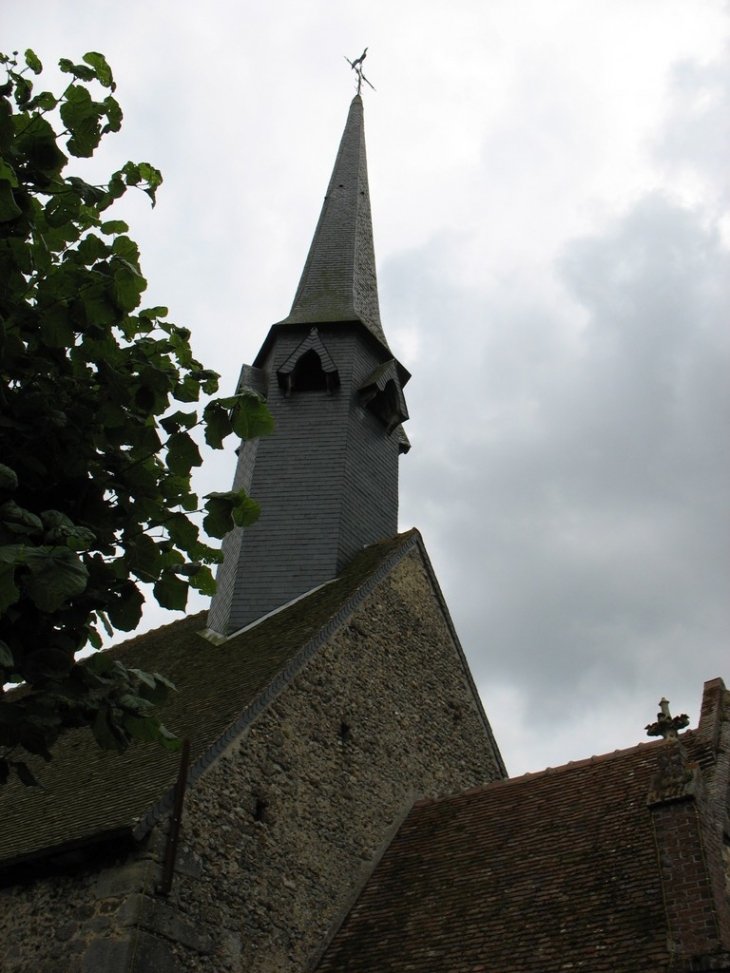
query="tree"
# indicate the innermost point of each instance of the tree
(97, 404)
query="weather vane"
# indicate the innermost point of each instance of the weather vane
(356, 66)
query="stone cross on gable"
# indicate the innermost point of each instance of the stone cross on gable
(666, 725)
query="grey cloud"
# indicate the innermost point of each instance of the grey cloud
(696, 134)
(573, 485)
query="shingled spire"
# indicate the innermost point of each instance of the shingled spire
(339, 282)
(327, 480)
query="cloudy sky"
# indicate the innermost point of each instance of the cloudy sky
(548, 182)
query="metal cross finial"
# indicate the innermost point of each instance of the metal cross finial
(356, 66)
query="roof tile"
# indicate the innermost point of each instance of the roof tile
(546, 872)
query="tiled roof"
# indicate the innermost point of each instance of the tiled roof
(556, 871)
(91, 792)
(339, 281)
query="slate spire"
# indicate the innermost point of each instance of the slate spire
(339, 282)
(327, 479)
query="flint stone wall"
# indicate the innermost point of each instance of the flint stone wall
(280, 831)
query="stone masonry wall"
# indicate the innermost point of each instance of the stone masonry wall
(278, 833)
(83, 922)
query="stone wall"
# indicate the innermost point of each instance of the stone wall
(279, 832)
(82, 922)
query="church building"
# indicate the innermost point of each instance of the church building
(341, 803)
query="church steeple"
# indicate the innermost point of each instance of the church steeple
(327, 479)
(339, 282)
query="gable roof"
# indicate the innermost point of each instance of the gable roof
(559, 869)
(91, 793)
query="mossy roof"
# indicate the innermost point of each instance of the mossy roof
(89, 793)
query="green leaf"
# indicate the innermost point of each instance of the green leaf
(171, 593)
(59, 529)
(56, 575)
(203, 581)
(250, 416)
(100, 665)
(144, 677)
(9, 209)
(218, 520)
(98, 306)
(101, 68)
(80, 115)
(188, 390)
(77, 70)
(33, 62)
(217, 425)
(172, 423)
(44, 101)
(114, 226)
(164, 681)
(229, 509)
(128, 285)
(54, 518)
(116, 187)
(146, 729)
(114, 115)
(134, 704)
(7, 172)
(246, 511)
(23, 91)
(182, 454)
(8, 478)
(183, 532)
(151, 175)
(37, 144)
(168, 740)
(92, 248)
(107, 732)
(16, 516)
(143, 557)
(131, 173)
(124, 609)
(153, 313)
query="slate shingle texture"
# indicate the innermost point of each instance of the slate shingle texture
(327, 479)
(339, 282)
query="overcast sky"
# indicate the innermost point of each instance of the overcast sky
(550, 204)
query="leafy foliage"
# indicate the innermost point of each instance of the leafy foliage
(95, 462)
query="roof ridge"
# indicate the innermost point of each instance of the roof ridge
(533, 775)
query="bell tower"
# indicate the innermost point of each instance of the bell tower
(327, 479)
